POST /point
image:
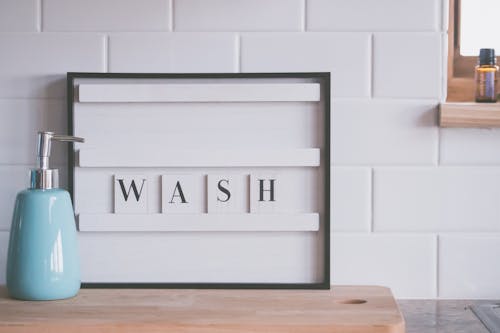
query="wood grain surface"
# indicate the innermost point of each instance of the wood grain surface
(346, 309)
(481, 115)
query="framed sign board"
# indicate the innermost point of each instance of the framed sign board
(202, 180)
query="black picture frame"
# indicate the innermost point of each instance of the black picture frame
(324, 77)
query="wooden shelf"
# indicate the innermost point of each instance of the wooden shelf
(479, 115)
(355, 309)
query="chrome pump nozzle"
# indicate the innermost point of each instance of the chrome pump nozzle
(43, 177)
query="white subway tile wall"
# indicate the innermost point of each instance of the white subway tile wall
(351, 195)
(407, 65)
(406, 263)
(468, 266)
(238, 15)
(470, 146)
(400, 185)
(108, 15)
(34, 65)
(380, 15)
(19, 15)
(13, 178)
(21, 119)
(373, 132)
(437, 199)
(345, 55)
(4, 241)
(173, 52)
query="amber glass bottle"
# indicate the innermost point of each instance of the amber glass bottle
(486, 76)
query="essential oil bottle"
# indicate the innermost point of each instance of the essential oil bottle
(486, 76)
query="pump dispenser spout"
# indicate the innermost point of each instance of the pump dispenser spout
(43, 177)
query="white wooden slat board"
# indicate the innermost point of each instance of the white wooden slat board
(239, 127)
(244, 257)
(214, 92)
(200, 158)
(158, 127)
(199, 222)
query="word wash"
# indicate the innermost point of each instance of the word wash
(184, 193)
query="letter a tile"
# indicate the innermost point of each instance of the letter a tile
(179, 194)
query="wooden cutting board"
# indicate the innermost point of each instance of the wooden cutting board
(346, 309)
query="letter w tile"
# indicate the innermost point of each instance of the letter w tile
(131, 194)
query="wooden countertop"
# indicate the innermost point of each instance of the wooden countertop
(343, 309)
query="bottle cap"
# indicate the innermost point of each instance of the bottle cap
(487, 57)
(43, 177)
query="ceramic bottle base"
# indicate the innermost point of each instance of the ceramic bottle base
(43, 261)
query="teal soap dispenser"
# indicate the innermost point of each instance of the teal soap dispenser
(43, 262)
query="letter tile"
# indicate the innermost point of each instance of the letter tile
(179, 194)
(227, 193)
(131, 194)
(265, 192)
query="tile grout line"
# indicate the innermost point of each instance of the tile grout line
(372, 66)
(39, 16)
(440, 21)
(438, 145)
(444, 16)
(58, 99)
(106, 54)
(238, 53)
(443, 30)
(27, 165)
(304, 16)
(443, 89)
(443, 40)
(372, 200)
(436, 278)
(171, 25)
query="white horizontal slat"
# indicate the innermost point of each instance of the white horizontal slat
(210, 257)
(199, 222)
(267, 92)
(199, 158)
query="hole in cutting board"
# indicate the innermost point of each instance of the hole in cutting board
(352, 301)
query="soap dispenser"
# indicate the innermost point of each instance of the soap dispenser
(43, 261)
